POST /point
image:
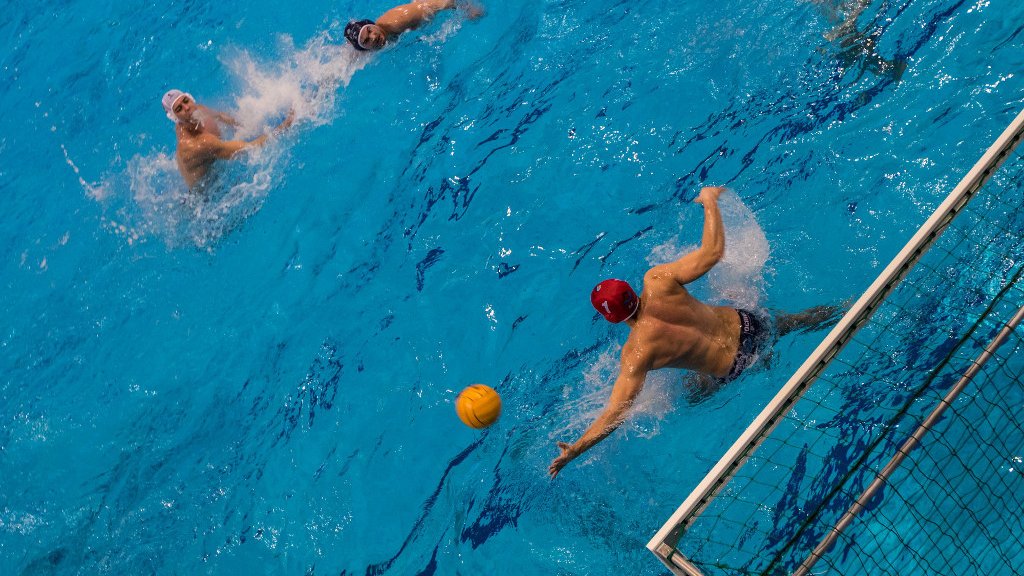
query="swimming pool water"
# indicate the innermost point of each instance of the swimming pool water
(263, 382)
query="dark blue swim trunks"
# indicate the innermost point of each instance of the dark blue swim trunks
(754, 334)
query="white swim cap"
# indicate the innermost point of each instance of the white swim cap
(170, 99)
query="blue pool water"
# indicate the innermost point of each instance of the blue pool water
(263, 382)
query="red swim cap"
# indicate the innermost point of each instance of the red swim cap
(615, 300)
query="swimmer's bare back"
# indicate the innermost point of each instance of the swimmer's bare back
(676, 330)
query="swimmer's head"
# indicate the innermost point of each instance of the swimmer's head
(615, 300)
(365, 35)
(179, 106)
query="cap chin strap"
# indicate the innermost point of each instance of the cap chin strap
(359, 37)
(635, 310)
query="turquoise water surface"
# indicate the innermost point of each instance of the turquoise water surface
(261, 381)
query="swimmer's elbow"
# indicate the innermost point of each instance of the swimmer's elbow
(705, 261)
(710, 255)
(716, 254)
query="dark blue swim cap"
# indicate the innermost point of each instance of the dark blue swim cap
(352, 32)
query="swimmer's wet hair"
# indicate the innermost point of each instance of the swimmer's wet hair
(352, 32)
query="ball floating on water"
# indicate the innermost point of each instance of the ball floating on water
(478, 406)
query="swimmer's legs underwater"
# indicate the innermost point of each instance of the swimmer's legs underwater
(810, 320)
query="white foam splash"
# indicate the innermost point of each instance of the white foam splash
(305, 80)
(447, 29)
(739, 277)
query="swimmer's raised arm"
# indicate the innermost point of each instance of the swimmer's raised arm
(436, 5)
(712, 246)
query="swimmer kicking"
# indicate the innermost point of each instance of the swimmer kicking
(367, 35)
(198, 132)
(669, 328)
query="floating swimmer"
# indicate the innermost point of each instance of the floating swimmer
(858, 49)
(368, 35)
(199, 139)
(669, 328)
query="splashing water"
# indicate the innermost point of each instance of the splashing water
(305, 80)
(580, 408)
(447, 29)
(161, 206)
(739, 277)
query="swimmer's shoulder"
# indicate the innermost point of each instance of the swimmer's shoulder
(659, 281)
(198, 145)
(636, 353)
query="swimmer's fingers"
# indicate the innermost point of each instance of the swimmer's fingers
(709, 193)
(554, 468)
(564, 458)
(557, 465)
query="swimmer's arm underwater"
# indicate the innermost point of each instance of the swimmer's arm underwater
(627, 387)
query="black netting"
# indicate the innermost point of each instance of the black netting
(952, 507)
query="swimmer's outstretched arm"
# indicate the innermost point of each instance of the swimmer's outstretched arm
(627, 386)
(212, 147)
(412, 15)
(712, 245)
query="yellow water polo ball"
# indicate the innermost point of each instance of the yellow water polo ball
(478, 406)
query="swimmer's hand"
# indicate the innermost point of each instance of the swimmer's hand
(709, 193)
(473, 10)
(286, 123)
(568, 455)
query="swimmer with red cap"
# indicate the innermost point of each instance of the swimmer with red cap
(197, 129)
(369, 35)
(669, 328)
